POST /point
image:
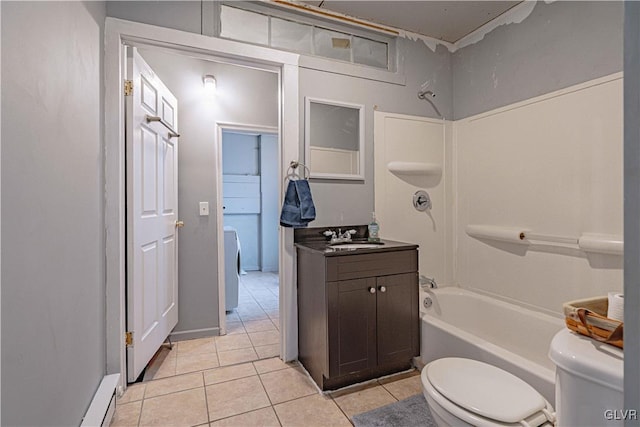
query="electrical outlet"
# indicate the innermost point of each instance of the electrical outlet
(204, 208)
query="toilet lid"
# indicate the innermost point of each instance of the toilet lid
(484, 389)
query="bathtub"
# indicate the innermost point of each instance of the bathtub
(463, 323)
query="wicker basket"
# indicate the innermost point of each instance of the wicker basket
(589, 317)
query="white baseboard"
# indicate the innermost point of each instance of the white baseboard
(102, 405)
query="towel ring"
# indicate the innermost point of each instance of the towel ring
(294, 164)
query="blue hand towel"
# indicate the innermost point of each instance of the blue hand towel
(298, 209)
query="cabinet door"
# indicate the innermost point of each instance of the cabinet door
(352, 326)
(398, 321)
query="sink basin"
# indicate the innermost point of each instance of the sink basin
(356, 246)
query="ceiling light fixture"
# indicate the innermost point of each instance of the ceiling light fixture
(209, 84)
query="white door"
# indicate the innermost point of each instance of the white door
(152, 209)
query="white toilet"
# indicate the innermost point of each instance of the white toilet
(589, 384)
(466, 392)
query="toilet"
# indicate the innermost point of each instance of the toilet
(589, 382)
(466, 392)
(589, 389)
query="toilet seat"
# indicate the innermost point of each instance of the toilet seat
(482, 394)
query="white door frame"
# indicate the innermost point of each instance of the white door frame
(118, 32)
(219, 128)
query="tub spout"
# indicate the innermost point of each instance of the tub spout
(428, 283)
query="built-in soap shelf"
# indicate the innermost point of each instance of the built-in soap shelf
(587, 242)
(414, 168)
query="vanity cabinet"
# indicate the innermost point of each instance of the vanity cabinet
(357, 314)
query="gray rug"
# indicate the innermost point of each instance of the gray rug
(410, 412)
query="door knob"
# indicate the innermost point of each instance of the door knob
(383, 289)
(372, 290)
(179, 224)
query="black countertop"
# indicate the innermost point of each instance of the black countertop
(322, 246)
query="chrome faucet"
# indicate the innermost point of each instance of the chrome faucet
(428, 283)
(339, 237)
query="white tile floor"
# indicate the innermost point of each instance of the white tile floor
(257, 314)
(252, 333)
(265, 392)
(234, 380)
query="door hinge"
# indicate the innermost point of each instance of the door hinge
(128, 338)
(128, 87)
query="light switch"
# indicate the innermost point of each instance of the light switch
(204, 208)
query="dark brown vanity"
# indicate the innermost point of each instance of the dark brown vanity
(358, 314)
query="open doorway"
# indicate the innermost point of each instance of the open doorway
(187, 46)
(250, 218)
(199, 291)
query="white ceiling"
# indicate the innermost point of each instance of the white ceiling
(444, 20)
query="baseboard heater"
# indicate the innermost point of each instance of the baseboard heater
(103, 404)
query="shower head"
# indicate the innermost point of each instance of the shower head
(428, 96)
(425, 94)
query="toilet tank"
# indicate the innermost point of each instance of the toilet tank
(589, 382)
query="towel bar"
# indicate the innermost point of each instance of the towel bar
(294, 164)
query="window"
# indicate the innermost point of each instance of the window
(304, 37)
(370, 52)
(291, 35)
(244, 26)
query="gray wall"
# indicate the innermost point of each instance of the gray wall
(179, 15)
(53, 294)
(631, 209)
(351, 202)
(244, 96)
(558, 45)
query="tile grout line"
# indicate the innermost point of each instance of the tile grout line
(387, 390)
(244, 413)
(141, 407)
(268, 397)
(284, 401)
(206, 399)
(217, 355)
(173, 392)
(340, 408)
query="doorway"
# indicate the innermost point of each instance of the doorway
(119, 33)
(249, 171)
(250, 218)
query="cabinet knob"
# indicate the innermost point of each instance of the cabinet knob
(383, 289)
(372, 290)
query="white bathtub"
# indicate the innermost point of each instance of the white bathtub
(463, 323)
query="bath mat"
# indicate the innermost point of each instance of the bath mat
(412, 411)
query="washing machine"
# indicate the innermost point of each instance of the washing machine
(231, 267)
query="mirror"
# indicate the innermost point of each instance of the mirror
(334, 139)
